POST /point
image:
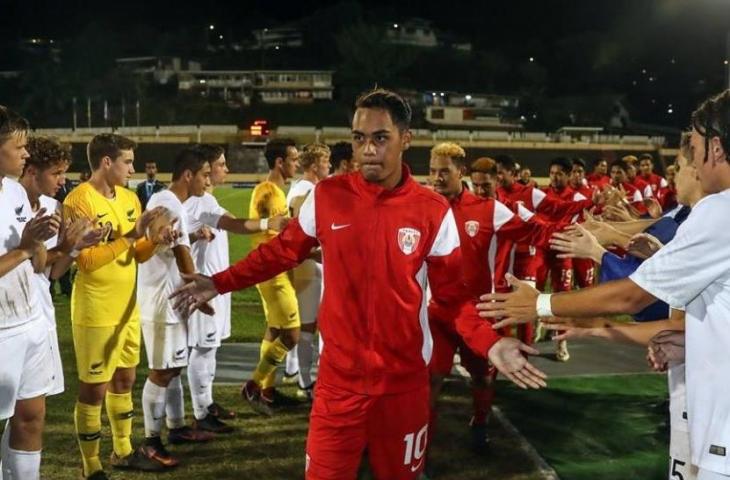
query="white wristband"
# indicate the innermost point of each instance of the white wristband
(264, 224)
(543, 305)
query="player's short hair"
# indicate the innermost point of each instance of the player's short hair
(311, 153)
(630, 159)
(277, 148)
(621, 164)
(484, 165)
(11, 123)
(451, 150)
(382, 99)
(646, 156)
(150, 160)
(190, 159)
(209, 151)
(712, 119)
(578, 162)
(46, 152)
(340, 152)
(107, 145)
(684, 147)
(506, 162)
(563, 163)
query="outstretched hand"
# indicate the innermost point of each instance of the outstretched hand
(509, 356)
(194, 295)
(518, 306)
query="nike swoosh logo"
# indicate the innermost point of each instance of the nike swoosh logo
(417, 466)
(101, 215)
(339, 227)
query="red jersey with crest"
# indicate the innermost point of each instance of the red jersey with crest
(379, 248)
(655, 182)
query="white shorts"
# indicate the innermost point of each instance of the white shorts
(57, 378)
(307, 282)
(166, 345)
(679, 460)
(703, 474)
(25, 356)
(208, 332)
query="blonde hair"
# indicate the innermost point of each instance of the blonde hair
(451, 150)
(630, 159)
(311, 153)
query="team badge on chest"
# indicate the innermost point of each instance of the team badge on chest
(472, 228)
(408, 239)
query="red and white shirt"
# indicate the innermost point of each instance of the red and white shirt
(379, 248)
(656, 182)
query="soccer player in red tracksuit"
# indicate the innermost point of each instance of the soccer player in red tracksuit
(382, 235)
(483, 224)
(668, 195)
(619, 179)
(535, 200)
(599, 178)
(632, 177)
(584, 270)
(646, 169)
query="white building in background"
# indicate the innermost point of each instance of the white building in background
(236, 86)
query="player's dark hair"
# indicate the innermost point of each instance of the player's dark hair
(578, 162)
(190, 159)
(712, 119)
(340, 152)
(563, 163)
(396, 106)
(10, 124)
(46, 152)
(506, 162)
(277, 148)
(107, 145)
(621, 164)
(209, 151)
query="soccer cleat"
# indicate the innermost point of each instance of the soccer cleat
(212, 424)
(306, 394)
(146, 459)
(561, 353)
(186, 434)
(253, 395)
(479, 437)
(97, 475)
(217, 410)
(290, 378)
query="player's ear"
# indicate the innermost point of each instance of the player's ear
(406, 138)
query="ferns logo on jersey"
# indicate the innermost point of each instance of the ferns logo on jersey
(472, 228)
(18, 212)
(408, 239)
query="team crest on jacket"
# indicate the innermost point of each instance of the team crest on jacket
(408, 239)
(472, 228)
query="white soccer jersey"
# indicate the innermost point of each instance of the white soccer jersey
(42, 281)
(209, 257)
(18, 298)
(159, 276)
(307, 276)
(693, 270)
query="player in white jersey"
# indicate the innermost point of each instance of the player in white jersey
(307, 276)
(25, 354)
(165, 330)
(208, 225)
(691, 272)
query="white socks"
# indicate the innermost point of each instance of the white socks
(201, 371)
(305, 354)
(153, 406)
(292, 362)
(18, 464)
(175, 407)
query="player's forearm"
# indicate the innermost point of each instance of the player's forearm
(633, 227)
(61, 266)
(144, 249)
(93, 258)
(610, 298)
(478, 335)
(39, 259)
(282, 253)
(12, 259)
(241, 226)
(183, 259)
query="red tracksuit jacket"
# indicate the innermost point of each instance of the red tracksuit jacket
(378, 249)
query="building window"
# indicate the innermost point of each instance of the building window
(437, 113)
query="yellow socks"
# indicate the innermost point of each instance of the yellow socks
(87, 419)
(272, 354)
(120, 411)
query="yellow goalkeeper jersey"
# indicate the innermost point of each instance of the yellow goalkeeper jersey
(267, 200)
(104, 291)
